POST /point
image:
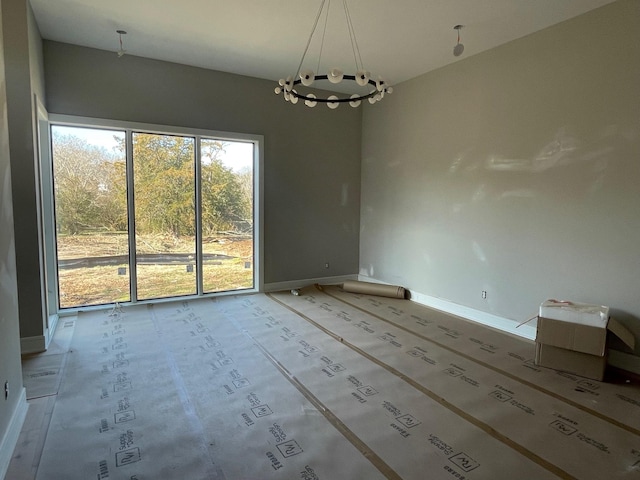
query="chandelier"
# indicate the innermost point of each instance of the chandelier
(371, 90)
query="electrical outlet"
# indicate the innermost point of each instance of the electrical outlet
(6, 390)
(484, 294)
(326, 264)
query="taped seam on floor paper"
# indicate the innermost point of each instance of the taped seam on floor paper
(333, 419)
(336, 389)
(214, 470)
(393, 418)
(503, 353)
(461, 413)
(120, 412)
(597, 439)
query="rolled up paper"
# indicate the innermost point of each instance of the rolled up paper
(378, 289)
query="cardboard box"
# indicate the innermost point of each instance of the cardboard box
(572, 337)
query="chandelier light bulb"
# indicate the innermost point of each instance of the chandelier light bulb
(355, 100)
(335, 75)
(310, 103)
(332, 105)
(288, 84)
(362, 77)
(307, 77)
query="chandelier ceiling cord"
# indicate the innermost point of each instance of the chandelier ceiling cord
(375, 89)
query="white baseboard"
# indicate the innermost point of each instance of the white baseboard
(35, 344)
(527, 331)
(10, 438)
(39, 343)
(364, 278)
(624, 361)
(279, 286)
(53, 323)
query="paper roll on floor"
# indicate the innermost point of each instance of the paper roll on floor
(379, 289)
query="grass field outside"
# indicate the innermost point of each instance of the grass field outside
(230, 269)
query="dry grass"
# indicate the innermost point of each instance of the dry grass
(105, 244)
(103, 284)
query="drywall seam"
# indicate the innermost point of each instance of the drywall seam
(34, 344)
(10, 440)
(494, 321)
(278, 286)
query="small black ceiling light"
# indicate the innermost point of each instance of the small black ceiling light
(459, 48)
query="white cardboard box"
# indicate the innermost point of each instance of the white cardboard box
(572, 337)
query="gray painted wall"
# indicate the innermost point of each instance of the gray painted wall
(312, 156)
(36, 61)
(515, 171)
(24, 79)
(10, 369)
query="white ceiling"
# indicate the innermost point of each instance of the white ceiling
(398, 39)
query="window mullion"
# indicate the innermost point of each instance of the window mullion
(198, 214)
(131, 223)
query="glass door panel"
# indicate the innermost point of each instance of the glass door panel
(227, 214)
(90, 196)
(164, 200)
(134, 219)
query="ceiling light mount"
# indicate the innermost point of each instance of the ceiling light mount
(122, 51)
(459, 48)
(375, 90)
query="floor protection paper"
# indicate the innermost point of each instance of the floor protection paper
(41, 373)
(573, 435)
(176, 391)
(412, 432)
(324, 385)
(504, 353)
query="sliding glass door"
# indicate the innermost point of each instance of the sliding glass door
(90, 194)
(226, 172)
(142, 215)
(164, 193)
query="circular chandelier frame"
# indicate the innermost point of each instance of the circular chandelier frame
(362, 77)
